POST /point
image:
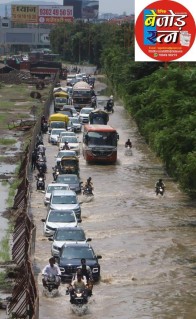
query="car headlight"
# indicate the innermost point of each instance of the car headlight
(56, 247)
(62, 269)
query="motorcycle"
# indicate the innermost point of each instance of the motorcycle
(55, 173)
(88, 191)
(44, 127)
(79, 297)
(159, 190)
(41, 166)
(109, 107)
(128, 150)
(40, 183)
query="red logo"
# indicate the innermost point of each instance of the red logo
(165, 30)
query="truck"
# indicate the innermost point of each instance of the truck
(82, 95)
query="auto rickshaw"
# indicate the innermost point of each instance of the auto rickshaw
(98, 117)
(69, 165)
(61, 120)
(61, 94)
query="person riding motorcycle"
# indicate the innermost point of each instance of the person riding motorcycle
(78, 282)
(89, 184)
(51, 269)
(66, 146)
(87, 273)
(159, 184)
(128, 143)
(110, 103)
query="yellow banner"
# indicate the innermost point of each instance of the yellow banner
(24, 14)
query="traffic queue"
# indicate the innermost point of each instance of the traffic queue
(72, 258)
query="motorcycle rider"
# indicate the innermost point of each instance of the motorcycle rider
(87, 273)
(66, 146)
(89, 184)
(128, 143)
(159, 184)
(110, 103)
(51, 269)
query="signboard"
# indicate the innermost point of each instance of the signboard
(90, 9)
(55, 14)
(24, 13)
(165, 31)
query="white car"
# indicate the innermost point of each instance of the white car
(84, 114)
(53, 137)
(66, 133)
(65, 200)
(66, 235)
(73, 143)
(50, 188)
(76, 124)
(58, 218)
(64, 153)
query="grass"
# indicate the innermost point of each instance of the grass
(7, 141)
(5, 248)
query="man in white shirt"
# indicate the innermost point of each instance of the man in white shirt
(51, 269)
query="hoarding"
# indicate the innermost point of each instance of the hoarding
(90, 9)
(55, 14)
(24, 13)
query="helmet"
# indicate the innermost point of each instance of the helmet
(111, 97)
(160, 180)
(89, 179)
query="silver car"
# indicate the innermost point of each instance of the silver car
(58, 218)
(50, 188)
(67, 235)
(65, 200)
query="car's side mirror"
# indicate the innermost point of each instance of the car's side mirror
(89, 239)
(118, 137)
(50, 239)
(99, 257)
(43, 220)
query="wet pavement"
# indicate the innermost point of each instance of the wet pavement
(147, 243)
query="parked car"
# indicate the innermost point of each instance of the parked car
(63, 153)
(76, 124)
(72, 142)
(65, 200)
(66, 235)
(53, 137)
(51, 187)
(84, 114)
(70, 258)
(58, 218)
(72, 179)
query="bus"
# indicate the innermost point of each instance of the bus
(82, 95)
(100, 143)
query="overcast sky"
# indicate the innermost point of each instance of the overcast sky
(105, 6)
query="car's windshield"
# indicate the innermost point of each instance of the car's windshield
(66, 153)
(53, 187)
(86, 111)
(61, 100)
(75, 120)
(56, 132)
(62, 199)
(61, 217)
(77, 252)
(67, 179)
(57, 125)
(69, 139)
(73, 235)
(102, 138)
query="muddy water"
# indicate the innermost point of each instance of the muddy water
(147, 243)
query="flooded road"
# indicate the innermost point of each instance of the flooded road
(147, 243)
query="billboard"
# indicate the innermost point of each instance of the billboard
(24, 13)
(41, 14)
(90, 9)
(84, 9)
(77, 7)
(55, 14)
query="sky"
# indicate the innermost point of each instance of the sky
(105, 6)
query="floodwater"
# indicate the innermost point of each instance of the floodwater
(147, 243)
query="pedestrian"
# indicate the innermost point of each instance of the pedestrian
(33, 160)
